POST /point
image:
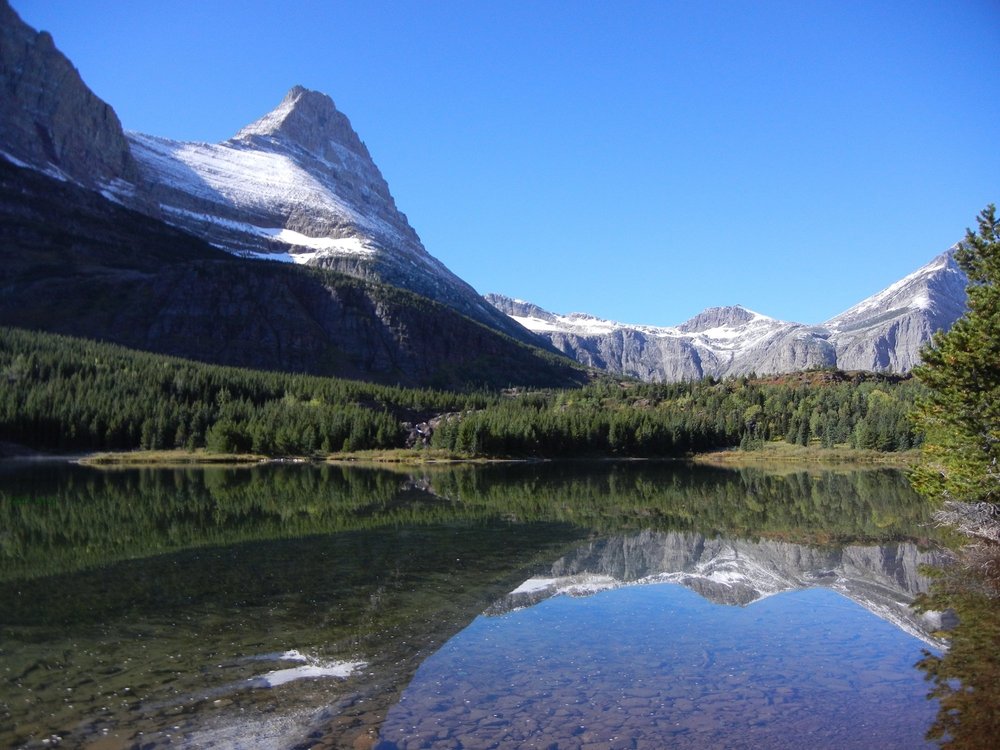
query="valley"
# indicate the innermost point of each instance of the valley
(708, 534)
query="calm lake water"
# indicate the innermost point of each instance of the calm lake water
(553, 605)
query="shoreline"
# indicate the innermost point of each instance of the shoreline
(780, 454)
(787, 454)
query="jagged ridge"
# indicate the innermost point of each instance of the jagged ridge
(883, 333)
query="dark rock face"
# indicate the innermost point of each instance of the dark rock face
(49, 118)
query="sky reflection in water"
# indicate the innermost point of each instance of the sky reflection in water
(659, 666)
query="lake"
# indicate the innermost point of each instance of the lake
(554, 605)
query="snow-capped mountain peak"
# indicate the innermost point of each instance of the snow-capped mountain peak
(299, 185)
(733, 316)
(916, 291)
(883, 333)
(308, 119)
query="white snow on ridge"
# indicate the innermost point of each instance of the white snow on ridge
(250, 181)
(49, 169)
(586, 325)
(724, 339)
(16, 162)
(314, 247)
(341, 245)
(270, 122)
(910, 291)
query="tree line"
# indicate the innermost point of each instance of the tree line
(74, 394)
(649, 420)
(65, 393)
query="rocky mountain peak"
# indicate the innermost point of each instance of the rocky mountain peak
(49, 119)
(716, 317)
(308, 119)
(937, 287)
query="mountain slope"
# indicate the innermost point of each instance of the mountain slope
(73, 262)
(886, 331)
(299, 185)
(51, 120)
(883, 333)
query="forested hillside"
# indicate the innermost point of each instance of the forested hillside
(74, 394)
(637, 419)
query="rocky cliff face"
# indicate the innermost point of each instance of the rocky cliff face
(884, 333)
(299, 185)
(883, 579)
(50, 120)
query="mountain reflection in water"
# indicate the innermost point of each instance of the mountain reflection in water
(659, 666)
(290, 606)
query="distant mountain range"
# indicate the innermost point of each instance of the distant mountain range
(120, 236)
(883, 333)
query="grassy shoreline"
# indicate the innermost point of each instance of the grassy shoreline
(786, 453)
(177, 457)
(783, 454)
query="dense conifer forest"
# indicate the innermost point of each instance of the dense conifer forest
(61, 393)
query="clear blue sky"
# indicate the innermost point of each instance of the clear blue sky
(636, 160)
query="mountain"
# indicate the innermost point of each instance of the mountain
(719, 341)
(883, 333)
(75, 263)
(49, 119)
(882, 579)
(299, 185)
(83, 249)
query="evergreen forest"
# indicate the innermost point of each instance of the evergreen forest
(70, 394)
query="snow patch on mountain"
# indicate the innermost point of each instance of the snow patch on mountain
(233, 181)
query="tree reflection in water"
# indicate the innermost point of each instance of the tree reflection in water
(966, 677)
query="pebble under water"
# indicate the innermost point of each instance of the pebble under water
(657, 666)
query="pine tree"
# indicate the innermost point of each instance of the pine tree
(961, 414)
(961, 420)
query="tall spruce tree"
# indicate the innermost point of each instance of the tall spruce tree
(961, 419)
(960, 416)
